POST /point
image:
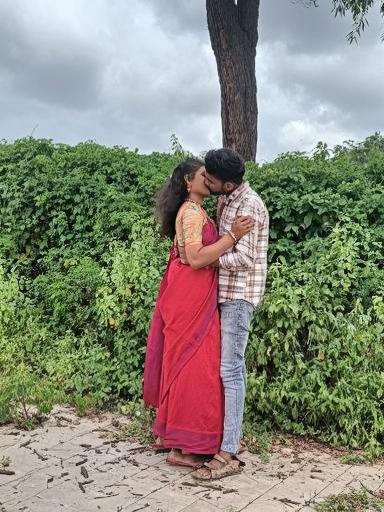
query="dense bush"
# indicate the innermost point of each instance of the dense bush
(81, 261)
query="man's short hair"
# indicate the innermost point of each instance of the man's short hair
(225, 164)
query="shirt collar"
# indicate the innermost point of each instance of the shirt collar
(237, 193)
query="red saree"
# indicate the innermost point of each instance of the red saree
(182, 365)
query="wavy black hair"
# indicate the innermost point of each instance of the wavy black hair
(225, 164)
(172, 195)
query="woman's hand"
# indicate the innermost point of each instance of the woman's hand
(199, 256)
(242, 226)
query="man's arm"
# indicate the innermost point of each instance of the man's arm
(243, 254)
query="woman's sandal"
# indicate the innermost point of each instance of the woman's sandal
(177, 462)
(229, 467)
(159, 448)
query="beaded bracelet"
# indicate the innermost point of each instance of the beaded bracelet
(231, 233)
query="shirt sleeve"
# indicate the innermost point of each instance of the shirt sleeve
(192, 226)
(243, 255)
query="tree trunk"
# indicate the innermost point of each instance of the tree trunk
(233, 29)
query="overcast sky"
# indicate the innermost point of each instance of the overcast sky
(133, 72)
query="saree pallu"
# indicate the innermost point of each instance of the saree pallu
(182, 366)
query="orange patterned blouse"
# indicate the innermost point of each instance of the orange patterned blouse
(190, 220)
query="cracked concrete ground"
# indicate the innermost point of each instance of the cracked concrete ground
(68, 465)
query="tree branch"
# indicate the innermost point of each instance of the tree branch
(359, 10)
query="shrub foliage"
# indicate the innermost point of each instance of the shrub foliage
(81, 260)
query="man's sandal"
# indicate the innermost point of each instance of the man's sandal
(243, 447)
(229, 467)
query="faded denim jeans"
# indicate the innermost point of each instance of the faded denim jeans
(236, 317)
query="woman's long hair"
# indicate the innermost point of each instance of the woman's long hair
(172, 195)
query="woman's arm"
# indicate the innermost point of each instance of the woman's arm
(199, 256)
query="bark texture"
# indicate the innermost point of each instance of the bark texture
(233, 30)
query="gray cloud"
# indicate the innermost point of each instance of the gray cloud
(312, 83)
(306, 29)
(181, 17)
(134, 73)
(50, 65)
(335, 81)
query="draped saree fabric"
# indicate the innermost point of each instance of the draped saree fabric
(182, 367)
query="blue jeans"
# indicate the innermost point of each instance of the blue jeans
(236, 317)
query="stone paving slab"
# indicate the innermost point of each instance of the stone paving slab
(69, 465)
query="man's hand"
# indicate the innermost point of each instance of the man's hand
(242, 225)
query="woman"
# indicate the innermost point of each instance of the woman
(182, 367)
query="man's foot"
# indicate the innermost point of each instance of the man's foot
(219, 467)
(242, 447)
(177, 458)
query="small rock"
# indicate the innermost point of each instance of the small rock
(84, 472)
(80, 462)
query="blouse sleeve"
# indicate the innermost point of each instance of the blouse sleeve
(192, 225)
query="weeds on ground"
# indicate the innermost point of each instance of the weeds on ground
(258, 440)
(140, 423)
(362, 500)
(357, 458)
(83, 404)
(24, 398)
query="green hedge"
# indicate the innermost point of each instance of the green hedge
(81, 261)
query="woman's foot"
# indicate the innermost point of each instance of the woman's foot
(177, 458)
(158, 441)
(221, 465)
(158, 447)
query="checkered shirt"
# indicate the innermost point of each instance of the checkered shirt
(243, 268)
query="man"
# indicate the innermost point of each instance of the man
(242, 275)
